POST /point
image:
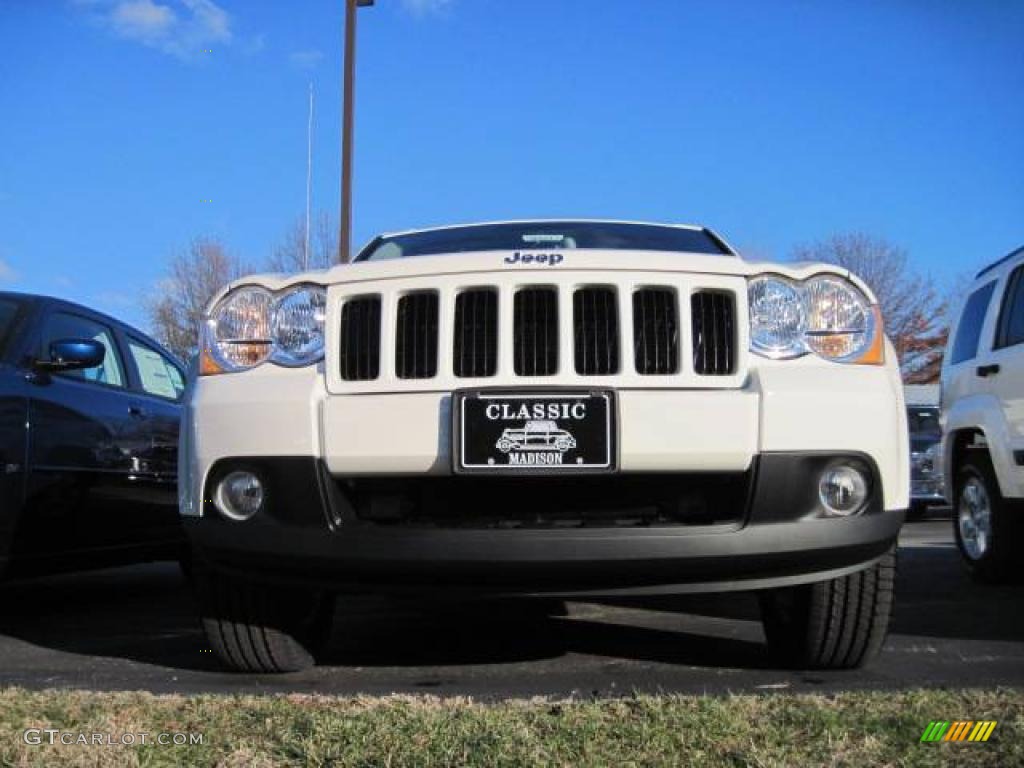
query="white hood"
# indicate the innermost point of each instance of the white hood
(583, 260)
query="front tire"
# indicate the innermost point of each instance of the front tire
(264, 628)
(835, 624)
(983, 523)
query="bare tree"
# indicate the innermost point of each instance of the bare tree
(289, 255)
(193, 277)
(913, 310)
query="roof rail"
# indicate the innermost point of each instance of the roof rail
(995, 264)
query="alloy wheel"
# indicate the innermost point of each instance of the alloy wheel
(974, 514)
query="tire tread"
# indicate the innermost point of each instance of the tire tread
(250, 628)
(836, 624)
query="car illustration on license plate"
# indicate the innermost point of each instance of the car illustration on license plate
(534, 432)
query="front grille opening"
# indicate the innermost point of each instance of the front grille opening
(714, 342)
(535, 336)
(622, 501)
(476, 333)
(596, 326)
(416, 336)
(359, 358)
(655, 331)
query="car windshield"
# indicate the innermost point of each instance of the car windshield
(544, 236)
(924, 421)
(8, 314)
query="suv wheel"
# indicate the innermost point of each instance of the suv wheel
(253, 627)
(835, 624)
(983, 524)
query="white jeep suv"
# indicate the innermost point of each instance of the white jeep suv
(709, 424)
(983, 420)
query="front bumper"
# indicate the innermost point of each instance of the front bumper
(311, 531)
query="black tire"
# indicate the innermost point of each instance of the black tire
(835, 624)
(253, 627)
(998, 562)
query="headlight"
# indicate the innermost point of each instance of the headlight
(840, 323)
(239, 329)
(252, 325)
(298, 326)
(825, 315)
(777, 318)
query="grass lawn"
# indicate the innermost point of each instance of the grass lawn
(856, 729)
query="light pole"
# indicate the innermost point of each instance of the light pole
(348, 103)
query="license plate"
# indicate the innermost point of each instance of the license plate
(556, 433)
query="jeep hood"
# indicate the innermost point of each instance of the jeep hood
(573, 261)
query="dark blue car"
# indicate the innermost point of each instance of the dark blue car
(89, 413)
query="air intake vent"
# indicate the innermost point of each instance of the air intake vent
(535, 343)
(476, 333)
(714, 341)
(655, 331)
(596, 325)
(360, 339)
(416, 336)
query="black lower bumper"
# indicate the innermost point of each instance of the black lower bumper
(308, 533)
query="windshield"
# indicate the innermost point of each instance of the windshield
(543, 236)
(924, 421)
(8, 314)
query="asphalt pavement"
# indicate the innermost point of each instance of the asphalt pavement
(136, 629)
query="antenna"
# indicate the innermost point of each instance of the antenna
(309, 177)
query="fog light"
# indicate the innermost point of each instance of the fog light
(843, 489)
(240, 495)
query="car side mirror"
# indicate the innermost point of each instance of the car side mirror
(72, 355)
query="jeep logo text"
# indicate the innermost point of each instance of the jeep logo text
(551, 259)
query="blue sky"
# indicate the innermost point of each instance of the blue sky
(776, 123)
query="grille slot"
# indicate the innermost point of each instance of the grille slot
(596, 325)
(359, 358)
(535, 340)
(655, 331)
(714, 346)
(476, 333)
(416, 336)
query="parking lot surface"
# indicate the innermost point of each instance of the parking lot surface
(136, 629)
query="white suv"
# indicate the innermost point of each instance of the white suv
(546, 407)
(983, 420)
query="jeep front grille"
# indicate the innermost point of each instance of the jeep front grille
(655, 331)
(359, 354)
(535, 332)
(476, 333)
(632, 330)
(416, 336)
(714, 345)
(596, 330)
